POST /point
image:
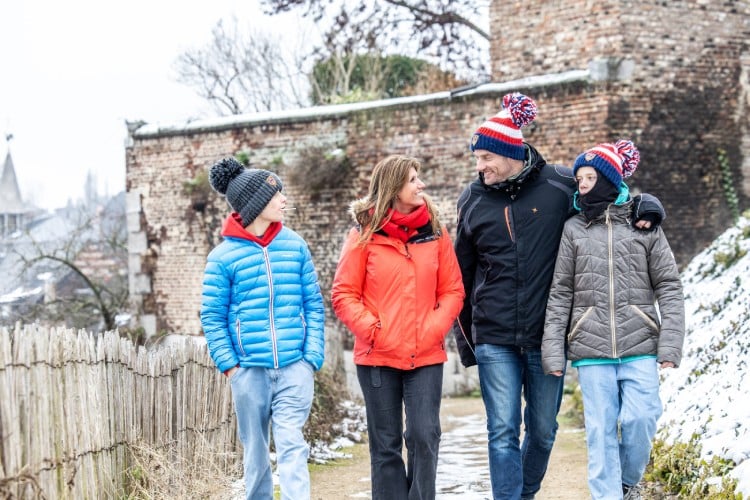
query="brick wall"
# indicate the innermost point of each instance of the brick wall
(679, 86)
(677, 120)
(170, 238)
(670, 42)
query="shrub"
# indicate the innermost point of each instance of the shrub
(727, 183)
(319, 168)
(679, 469)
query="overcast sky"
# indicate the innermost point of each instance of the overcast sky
(74, 71)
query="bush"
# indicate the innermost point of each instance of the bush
(319, 168)
(327, 410)
(573, 403)
(678, 469)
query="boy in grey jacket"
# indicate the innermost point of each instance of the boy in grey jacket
(601, 307)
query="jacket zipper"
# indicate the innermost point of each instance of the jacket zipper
(610, 252)
(466, 338)
(508, 224)
(270, 307)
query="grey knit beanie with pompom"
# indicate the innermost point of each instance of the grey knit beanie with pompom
(248, 190)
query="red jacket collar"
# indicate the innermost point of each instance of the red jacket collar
(233, 228)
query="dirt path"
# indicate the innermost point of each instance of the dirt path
(463, 471)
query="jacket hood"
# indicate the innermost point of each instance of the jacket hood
(356, 207)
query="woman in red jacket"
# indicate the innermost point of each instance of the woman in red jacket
(398, 289)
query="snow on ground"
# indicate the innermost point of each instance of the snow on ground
(709, 394)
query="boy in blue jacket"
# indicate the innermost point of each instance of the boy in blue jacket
(262, 315)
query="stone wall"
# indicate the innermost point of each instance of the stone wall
(696, 43)
(678, 121)
(679, 74)
(172, 230)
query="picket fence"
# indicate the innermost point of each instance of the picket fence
(74, 403)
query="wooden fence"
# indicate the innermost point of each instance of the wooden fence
(73, 403)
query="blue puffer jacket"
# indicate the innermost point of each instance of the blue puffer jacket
(261, 303)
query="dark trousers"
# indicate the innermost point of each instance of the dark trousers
(389, 394)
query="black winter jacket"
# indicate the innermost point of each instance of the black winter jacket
(507, 239)
(506, 243)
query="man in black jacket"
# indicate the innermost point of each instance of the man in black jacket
(510, 221)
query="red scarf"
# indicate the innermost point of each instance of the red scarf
(404, 226)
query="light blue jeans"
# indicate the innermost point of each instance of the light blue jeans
(619, 397)
(506, 373)
(279, 398)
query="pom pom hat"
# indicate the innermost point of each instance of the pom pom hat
(614, 161)
(501, 134)
(248, 190)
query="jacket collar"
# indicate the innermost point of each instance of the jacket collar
(233, 228)
(531, 167)
(616, 213)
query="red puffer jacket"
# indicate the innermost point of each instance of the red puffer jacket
(399, 300)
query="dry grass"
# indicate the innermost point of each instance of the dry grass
(162, 473)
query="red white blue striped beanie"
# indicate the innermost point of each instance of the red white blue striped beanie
(501, 134)
(614, 161)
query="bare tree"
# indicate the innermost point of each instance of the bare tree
(243, 70)
(87, 269)
(442, 31)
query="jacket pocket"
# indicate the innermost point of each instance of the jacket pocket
(384, 340)
(650, 322)
(239, 337)
(304, 327)
(574, 330)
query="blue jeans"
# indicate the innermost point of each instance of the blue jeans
(389, 394)
(505, 373)
(279, 398)
(626, 394)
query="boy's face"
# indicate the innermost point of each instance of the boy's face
(274, 211)
(586, 178)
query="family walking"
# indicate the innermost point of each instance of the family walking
(549, 265)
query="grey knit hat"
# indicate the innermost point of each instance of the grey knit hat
(248, 190)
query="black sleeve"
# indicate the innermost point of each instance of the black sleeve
(466, 255)
(648, 207)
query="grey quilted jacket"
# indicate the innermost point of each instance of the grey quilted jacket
(608, 277)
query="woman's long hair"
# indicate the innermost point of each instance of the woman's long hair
(388, 178)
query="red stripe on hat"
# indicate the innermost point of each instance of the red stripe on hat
(503, 129)
(607, 153)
